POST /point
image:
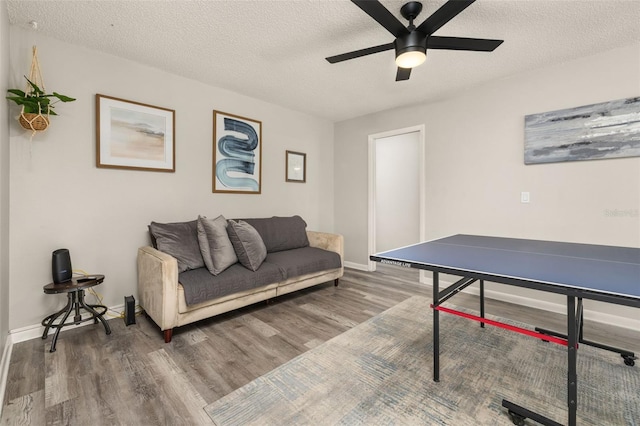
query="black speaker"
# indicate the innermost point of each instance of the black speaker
(129, 310)
(61, 266)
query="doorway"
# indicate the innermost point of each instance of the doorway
(396, 189)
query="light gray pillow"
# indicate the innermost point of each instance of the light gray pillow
(179, 240)
(248, 244)
(215, 246)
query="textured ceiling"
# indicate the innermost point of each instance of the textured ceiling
(274, 49)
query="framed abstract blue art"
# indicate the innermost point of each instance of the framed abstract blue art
(237, 154)
(590, 132)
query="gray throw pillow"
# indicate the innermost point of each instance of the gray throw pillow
(179, 240)
(215, 246)
(281, 233)
(248, 244)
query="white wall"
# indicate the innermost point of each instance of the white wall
(397, 191)
(60, 199)
(475, 169)
(4, 180)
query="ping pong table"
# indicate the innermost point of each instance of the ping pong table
(577, 271)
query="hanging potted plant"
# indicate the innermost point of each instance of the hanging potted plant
(36, 105)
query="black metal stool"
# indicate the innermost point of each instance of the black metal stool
(75, 295)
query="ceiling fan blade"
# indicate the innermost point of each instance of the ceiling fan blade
(403, 74)
(381, 14)
(359, 53)
(463, 43)
(447, 12)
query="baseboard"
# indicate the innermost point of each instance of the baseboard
(357, 266)
(4, 369)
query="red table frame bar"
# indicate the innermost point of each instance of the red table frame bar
(537, 335)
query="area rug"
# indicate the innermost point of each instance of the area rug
(381, 373)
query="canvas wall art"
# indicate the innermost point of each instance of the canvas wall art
(590, 132)
(237, 154)
(132, 135)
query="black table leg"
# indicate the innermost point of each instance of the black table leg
(628, 356)
(572, 343)
(48, 321)
(72, 299)
(436, 330)
(574, 324)
(482, 301)
(96, 316)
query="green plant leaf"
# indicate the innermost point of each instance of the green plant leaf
(63, 98)
(16, 92)
(17, 99)
(36, 101)
(34, 87)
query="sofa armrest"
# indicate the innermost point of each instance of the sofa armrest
(326, 241)
(158, 286)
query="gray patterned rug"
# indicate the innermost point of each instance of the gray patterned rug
(380, 373)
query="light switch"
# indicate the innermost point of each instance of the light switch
(524, 197)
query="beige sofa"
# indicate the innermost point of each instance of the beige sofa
(163, 298)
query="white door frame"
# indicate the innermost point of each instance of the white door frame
(372, 183)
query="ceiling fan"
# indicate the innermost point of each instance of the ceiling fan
(412, 42)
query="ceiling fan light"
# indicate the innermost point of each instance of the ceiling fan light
(411, 49)
(411, 59)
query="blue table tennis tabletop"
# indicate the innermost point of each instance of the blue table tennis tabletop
(594, 269)
(604, 273)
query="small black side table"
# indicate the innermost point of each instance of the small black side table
(75, 294)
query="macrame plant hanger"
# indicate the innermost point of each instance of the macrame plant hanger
(31, 121)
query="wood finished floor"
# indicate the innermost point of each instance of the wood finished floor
(133, 378)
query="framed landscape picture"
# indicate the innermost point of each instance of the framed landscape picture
(237, 154)
(132, 135)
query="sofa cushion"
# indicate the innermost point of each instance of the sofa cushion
(281, 233)
(199, 285)
(215, 246)
(305, 260)
(247, 243)
(179, 240)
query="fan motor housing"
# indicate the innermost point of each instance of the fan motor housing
(414, 41)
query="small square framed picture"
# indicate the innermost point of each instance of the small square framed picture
(296, 167)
